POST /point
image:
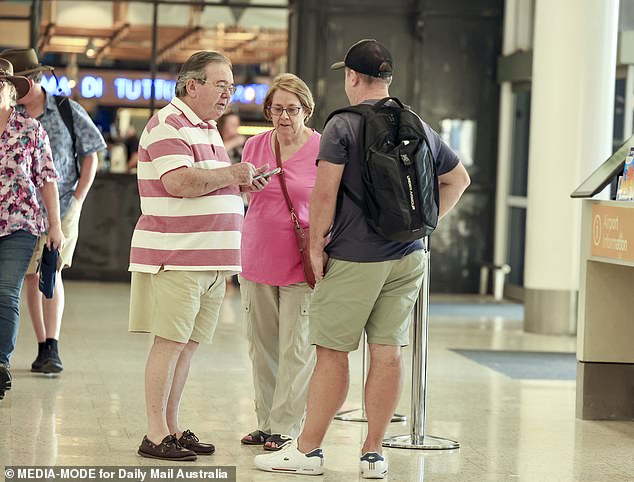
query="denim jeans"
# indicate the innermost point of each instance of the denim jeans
(16, 250)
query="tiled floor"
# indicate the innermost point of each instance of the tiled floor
(508, 429)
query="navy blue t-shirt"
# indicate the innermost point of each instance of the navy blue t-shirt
(351, 237)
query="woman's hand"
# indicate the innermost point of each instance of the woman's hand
(55, 238)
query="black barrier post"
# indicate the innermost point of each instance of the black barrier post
(153, 63)
(34, 30)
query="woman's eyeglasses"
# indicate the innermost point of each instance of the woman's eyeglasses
(292, 111)
(222, 86)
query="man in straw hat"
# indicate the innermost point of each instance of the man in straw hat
(74, 184)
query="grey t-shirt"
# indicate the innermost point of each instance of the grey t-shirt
(352, 238)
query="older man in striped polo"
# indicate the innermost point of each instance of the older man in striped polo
(185, 242)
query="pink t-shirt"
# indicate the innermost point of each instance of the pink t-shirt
(269, 250)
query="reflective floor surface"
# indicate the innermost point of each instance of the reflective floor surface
(508, 428)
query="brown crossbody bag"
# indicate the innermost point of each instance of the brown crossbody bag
(302, 235)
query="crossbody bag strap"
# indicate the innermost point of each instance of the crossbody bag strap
(289, 203)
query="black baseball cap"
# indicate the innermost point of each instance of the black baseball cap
(367, 56)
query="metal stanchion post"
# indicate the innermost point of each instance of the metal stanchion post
(358, 414)
(417, 439)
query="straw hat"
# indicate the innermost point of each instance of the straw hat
(24, 61)
(22, 85)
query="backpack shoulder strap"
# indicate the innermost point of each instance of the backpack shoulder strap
(360, 109)
(385, 100)
(66, 112)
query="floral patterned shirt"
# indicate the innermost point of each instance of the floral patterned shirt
(26, 163)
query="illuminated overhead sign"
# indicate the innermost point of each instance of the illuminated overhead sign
(250, 93)
(112, 88)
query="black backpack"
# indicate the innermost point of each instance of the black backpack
(66, 112)
(400, 185)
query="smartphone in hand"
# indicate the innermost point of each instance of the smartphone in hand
(266, 175)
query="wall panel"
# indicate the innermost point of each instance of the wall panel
(445, 56)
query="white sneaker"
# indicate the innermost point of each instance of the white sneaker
(373, 466)
(290, 460)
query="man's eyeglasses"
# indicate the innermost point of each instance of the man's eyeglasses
(292, 111)
(222, 86)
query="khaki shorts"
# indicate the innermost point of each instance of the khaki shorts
(70, 228)
(377, 297)
(177, 305)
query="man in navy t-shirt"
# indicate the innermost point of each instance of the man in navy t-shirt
(370, 283)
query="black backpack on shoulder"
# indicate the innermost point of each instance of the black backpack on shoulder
(66, 112)
(400, 184)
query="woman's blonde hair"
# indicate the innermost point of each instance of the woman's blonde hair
(12, 93)
(293, 84)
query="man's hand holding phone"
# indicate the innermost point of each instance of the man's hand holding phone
(261, 178)
(266, 175)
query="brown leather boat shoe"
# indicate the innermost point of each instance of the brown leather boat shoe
(191, 442)
(168, 449)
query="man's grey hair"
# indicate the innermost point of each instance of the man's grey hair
(194, 68)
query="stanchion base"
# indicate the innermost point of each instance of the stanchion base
(357, 415)
(426, 442)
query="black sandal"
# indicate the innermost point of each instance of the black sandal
(257, 438)
(277, 439)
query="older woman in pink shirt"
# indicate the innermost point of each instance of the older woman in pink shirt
(275, 295)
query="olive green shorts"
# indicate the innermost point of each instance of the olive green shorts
(377, 297)
(177, 305)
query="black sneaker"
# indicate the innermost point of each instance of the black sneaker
(37, 365)
(51, 363)
(168, 449)
(5, 379)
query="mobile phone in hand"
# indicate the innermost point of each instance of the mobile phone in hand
(266, 175)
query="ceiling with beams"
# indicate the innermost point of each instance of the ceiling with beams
(248, 32)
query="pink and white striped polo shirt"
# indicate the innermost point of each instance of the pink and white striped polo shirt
(188, 234)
